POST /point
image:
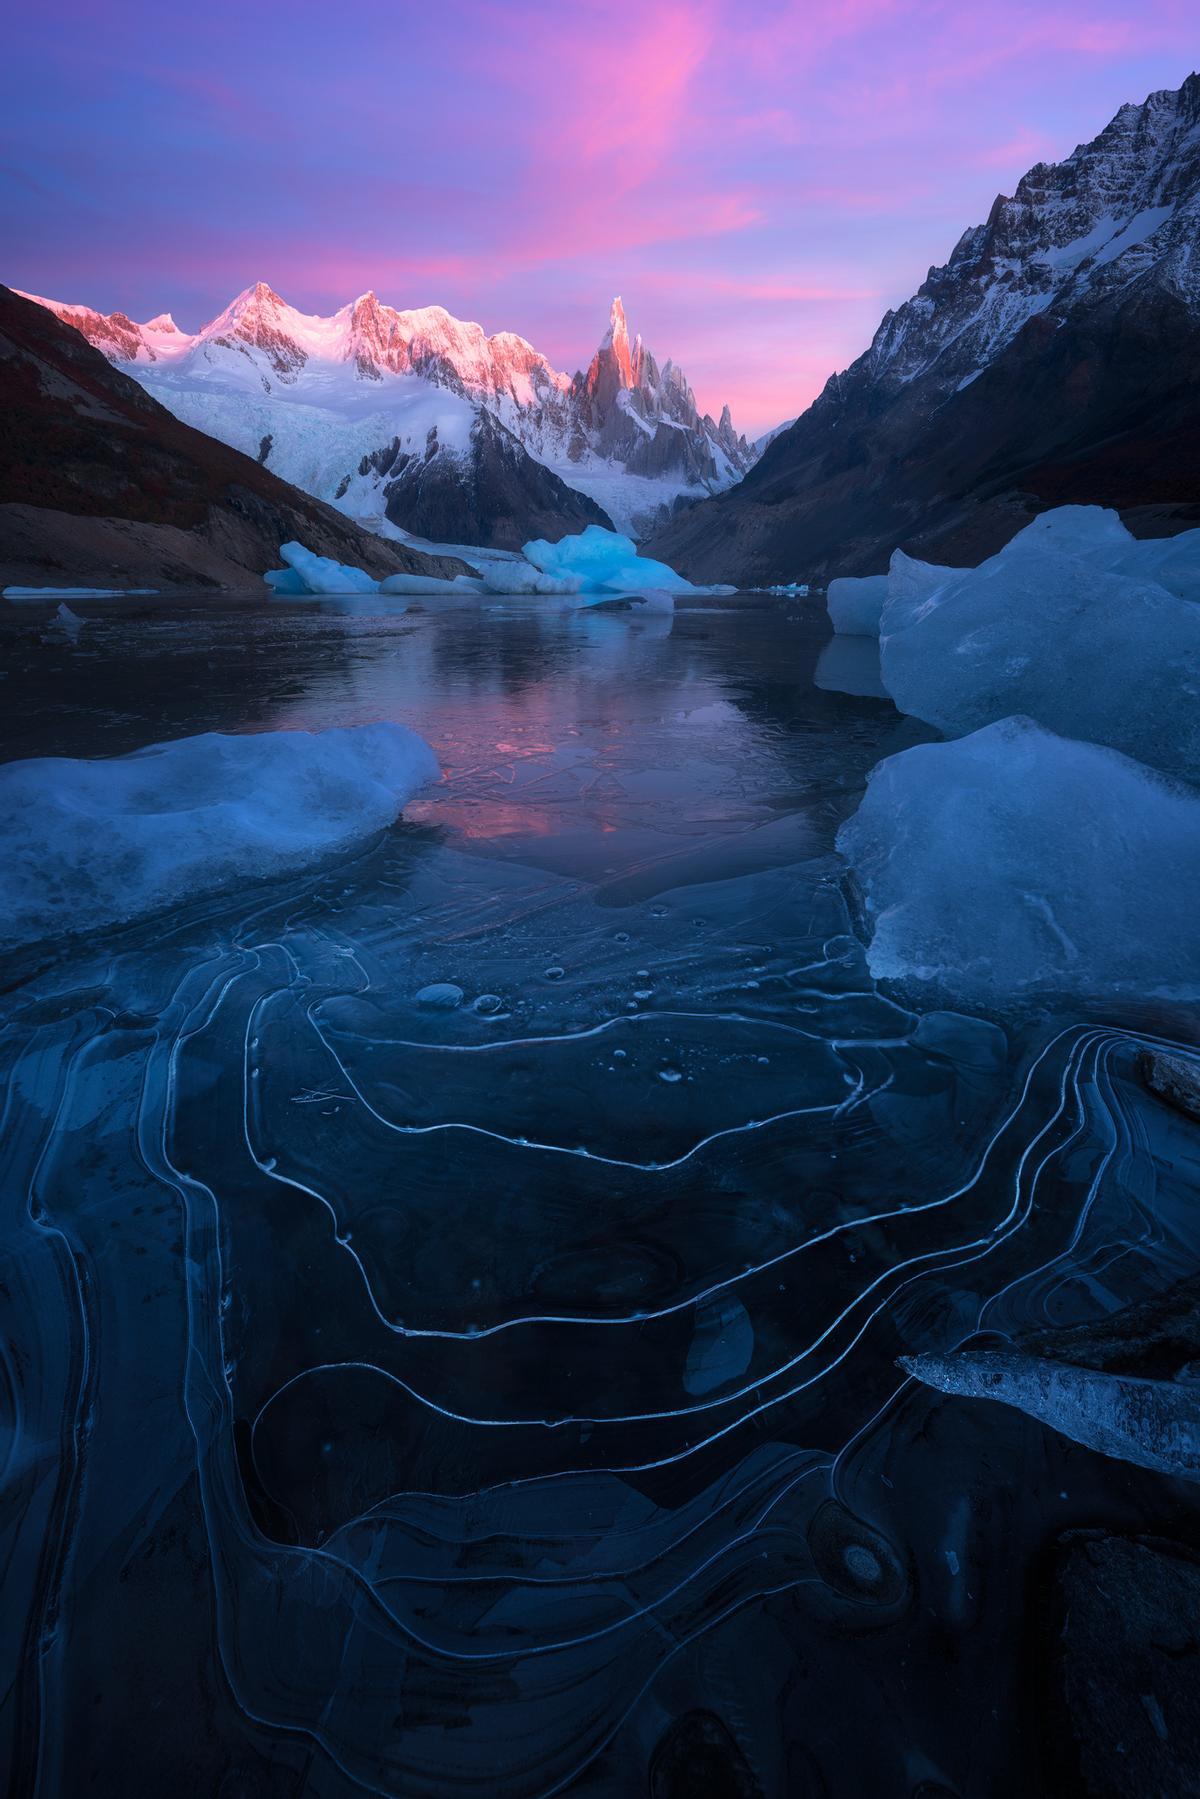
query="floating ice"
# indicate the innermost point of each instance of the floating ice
(88, 843)
(1094, 533)
(320, 574)
(1174, 562)
(1013, 861)
(520, 576)
(285, 581)
(913, 589)
(68, 624)
(1086, 653)
(855, 604)
(430, 584)
(72, 593)
(601, 561)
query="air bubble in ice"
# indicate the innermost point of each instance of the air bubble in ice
(440, 996)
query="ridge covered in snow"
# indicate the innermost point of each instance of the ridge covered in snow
(353, 407)
(1074, 233)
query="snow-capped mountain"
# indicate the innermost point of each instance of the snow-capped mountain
(98, 480)
(1054, 356)
(376, 410)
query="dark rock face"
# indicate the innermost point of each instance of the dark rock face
(1127, 1385)
(102, 486)
(1172, 1078)
(1053, 359)
(1124, 1634)
(496, 496)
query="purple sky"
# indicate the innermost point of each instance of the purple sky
(759, 180)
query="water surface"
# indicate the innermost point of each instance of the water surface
(499, 1396)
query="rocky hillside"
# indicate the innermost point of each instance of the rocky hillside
(100, 485)
(1054, 358)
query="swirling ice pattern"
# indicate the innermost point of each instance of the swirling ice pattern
(490, 1629)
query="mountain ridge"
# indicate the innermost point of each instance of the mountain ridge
(103, 486)
(996, 389)
(327, 394)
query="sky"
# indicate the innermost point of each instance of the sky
(759, 180)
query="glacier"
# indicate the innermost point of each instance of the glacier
(1083, 863)
(93, 842)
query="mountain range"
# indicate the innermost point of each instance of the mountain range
(101, 486)
(1054, 358)
(421, 421)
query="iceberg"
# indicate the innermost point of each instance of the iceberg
(913, 589)
(285, 582)
(1173, 562)
(601, 561)
(95, 842)
(321, 574)
(1087, 653)
(855, 604)
(1096, 534)
(869, 605)
(1013, 861)
(1093, 533)
(430, 584)
(522, 577)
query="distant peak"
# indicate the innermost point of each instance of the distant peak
(252, 298)
(162, 322)
(618, 330)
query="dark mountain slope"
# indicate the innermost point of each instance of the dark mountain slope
(1053, 359)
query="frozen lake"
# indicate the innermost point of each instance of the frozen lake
(451, 1297)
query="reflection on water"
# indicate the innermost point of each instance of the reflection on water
(427, 1395)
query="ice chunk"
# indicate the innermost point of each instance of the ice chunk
(73, 593)
(1086, 653)
(1153, 1423)
(1174, 562)
(88, 843)
(320, 574)
(856, 603)
(1094, 533)
(913, 588)
(285, 581)
(1013, 861)
(523, 577)
(601, 561)
(430, 584)
(68, 623)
